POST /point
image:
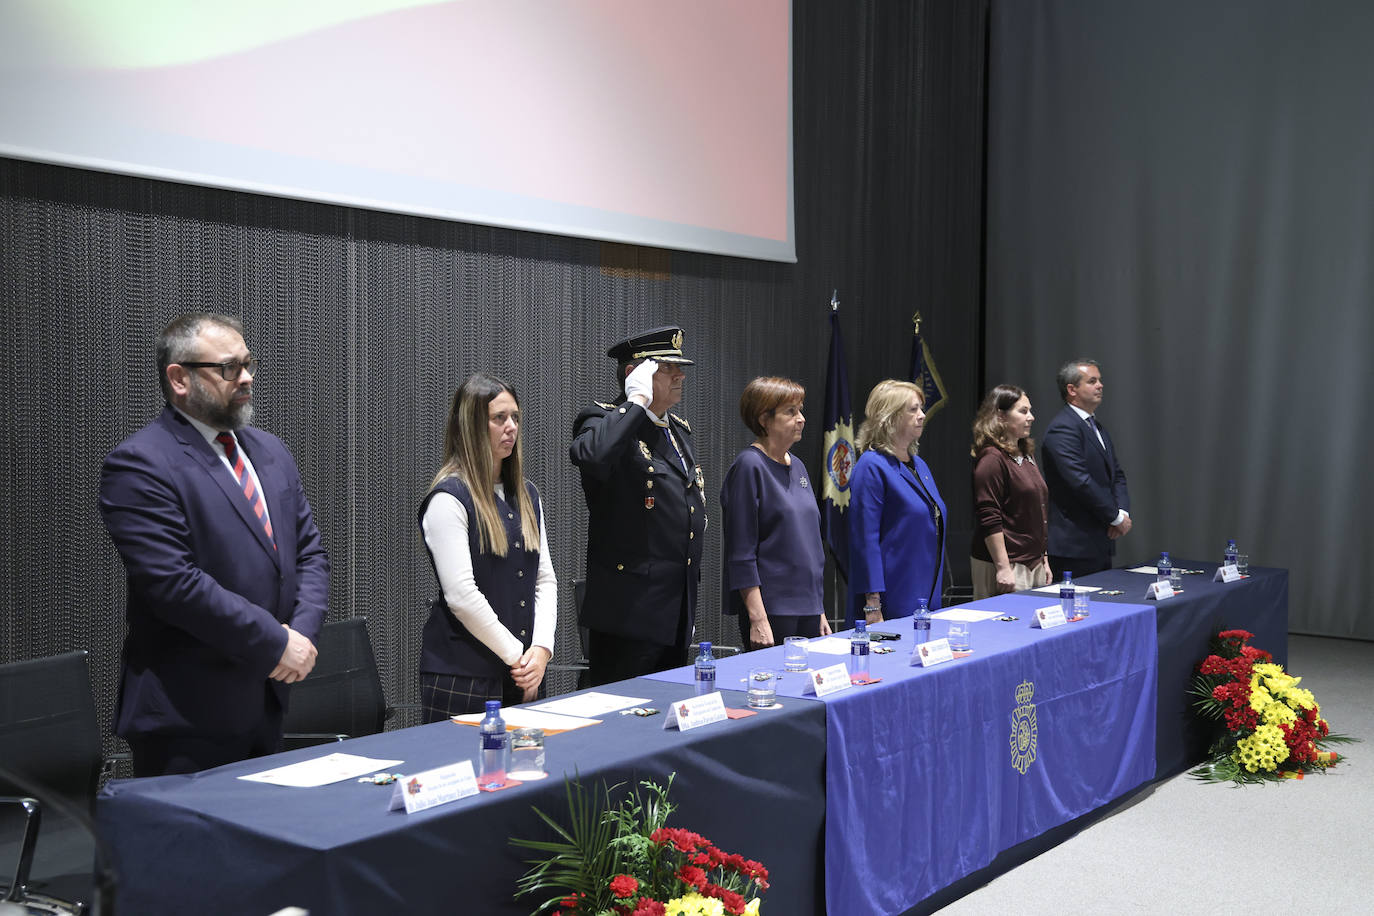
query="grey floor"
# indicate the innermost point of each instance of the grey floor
(1192, 847)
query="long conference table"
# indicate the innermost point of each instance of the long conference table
(868, 801)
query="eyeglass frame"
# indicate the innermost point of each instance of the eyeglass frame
(251, 364)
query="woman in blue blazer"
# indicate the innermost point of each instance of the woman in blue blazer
(896, 515)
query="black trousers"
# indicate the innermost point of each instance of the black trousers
(1079, 566)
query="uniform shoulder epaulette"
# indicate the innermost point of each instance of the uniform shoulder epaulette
(603, 405)
(685, 425)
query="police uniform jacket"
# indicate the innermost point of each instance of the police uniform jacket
(647, 517)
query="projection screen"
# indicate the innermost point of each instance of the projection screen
(654, 123)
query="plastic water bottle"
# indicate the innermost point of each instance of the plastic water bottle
(705, 669)
(1164, 568)
(920, 620)
(1066, 595)
(1231, 553)
(495, 743)
(858, 649)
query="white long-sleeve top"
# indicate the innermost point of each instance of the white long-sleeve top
(445, 528)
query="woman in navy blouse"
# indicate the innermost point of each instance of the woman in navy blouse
(896, 515)
(773, 555)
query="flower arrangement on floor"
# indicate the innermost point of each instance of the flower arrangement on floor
(621, 859)
(1271, 728)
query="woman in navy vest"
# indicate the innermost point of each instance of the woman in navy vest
(490, 633)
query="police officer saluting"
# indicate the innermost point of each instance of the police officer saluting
(646, 503)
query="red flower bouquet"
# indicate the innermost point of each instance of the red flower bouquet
(1270, 727)
(620, 859)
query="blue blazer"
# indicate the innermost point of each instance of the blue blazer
(208, 594)
(896, 535)
(1086, 483)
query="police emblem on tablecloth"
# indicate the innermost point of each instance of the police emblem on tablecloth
(1023, 728)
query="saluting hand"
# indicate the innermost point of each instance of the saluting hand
(639, 384)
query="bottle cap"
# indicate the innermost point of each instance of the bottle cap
(493, 707)
(704, 647)
(860, 626)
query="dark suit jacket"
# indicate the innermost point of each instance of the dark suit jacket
(207, 592)
(896, 535)
(1086, 483)
(647, 518)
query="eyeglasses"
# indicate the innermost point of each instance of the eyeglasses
(229, 371)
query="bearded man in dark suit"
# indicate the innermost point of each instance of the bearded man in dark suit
(228, 579)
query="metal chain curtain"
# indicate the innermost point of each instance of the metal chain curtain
(365, 323)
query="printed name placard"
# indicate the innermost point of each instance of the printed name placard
(1051, 615)
(824, 681)
(1227, 574)
(694, 712)
(1159, 590)
(932, 653)
(434, 787)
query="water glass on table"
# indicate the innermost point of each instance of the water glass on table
(1176, 578)
(1243, 564)
(960, 636)
(1082, 602)
(796, 655)
(527, 755)
(763, 687)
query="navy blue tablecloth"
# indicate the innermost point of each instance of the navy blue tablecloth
(934, 771)
(212, 843)
(1185, 623)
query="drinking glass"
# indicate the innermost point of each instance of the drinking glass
(1176, 578)
(1082, 601)
(763, 687)
(960, 637)
(795, 654)
(527, 754)
(1243, 564)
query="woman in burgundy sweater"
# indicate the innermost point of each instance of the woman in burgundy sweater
(1010, 499)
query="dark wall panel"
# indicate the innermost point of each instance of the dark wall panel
(366, 321)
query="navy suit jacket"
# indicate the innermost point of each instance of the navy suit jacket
(896, 535)
(208, 594)
(1087, 486)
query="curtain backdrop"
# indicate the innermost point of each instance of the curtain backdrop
(1186, 192)
(366, 322)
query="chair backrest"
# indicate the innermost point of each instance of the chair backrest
(343, 694)
(49, 733)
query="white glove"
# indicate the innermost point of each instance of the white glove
(640, 382)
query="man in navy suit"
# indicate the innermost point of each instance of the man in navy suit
(228, 580)
(1089, 503)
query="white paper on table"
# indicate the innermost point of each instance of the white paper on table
(830, 645)
(1053, 589)
(322, 771)
(530, 717)
(1144, 569)
(590, 704)
(967, 614)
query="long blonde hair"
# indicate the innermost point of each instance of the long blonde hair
(467, 456)
(886, 402)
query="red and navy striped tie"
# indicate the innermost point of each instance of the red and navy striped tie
(250, 492)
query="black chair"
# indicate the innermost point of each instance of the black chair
(954, 593)
(578, 666)
(50, 764)
(342, 698)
